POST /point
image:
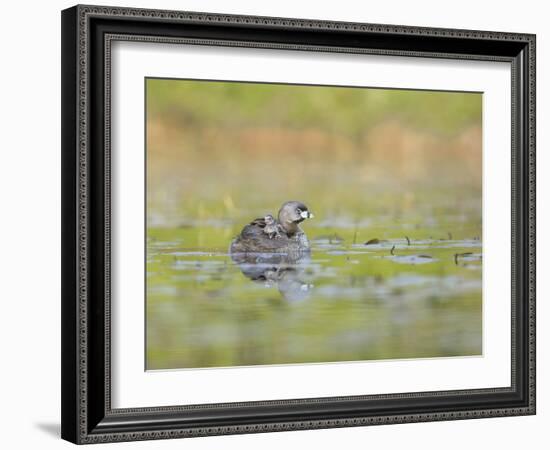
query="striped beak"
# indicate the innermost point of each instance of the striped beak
(306, 215)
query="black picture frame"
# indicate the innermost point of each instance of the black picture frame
(87, 416)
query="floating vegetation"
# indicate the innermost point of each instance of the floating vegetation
(461, 255)
(373, 241)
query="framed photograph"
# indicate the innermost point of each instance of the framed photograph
(279, 224)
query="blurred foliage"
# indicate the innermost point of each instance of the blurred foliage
(336, 109)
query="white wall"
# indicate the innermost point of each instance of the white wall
(30, 222)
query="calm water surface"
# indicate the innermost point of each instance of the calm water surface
(397, 297)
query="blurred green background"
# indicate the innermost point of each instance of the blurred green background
(402, 167)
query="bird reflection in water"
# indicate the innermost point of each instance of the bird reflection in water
(287, 272)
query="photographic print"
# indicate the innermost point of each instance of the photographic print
(307, 223)
(295, 224)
